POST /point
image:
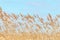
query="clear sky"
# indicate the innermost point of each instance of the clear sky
(41, 7)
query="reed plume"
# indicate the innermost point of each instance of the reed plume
(27, 27)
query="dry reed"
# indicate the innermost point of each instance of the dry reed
(28, 27)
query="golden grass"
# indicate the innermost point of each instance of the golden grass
(20, 27)
(26, 36)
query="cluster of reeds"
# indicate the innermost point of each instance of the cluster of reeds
(20, 24)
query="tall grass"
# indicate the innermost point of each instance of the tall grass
(27, 27)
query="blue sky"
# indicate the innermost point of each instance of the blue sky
(40, 7)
